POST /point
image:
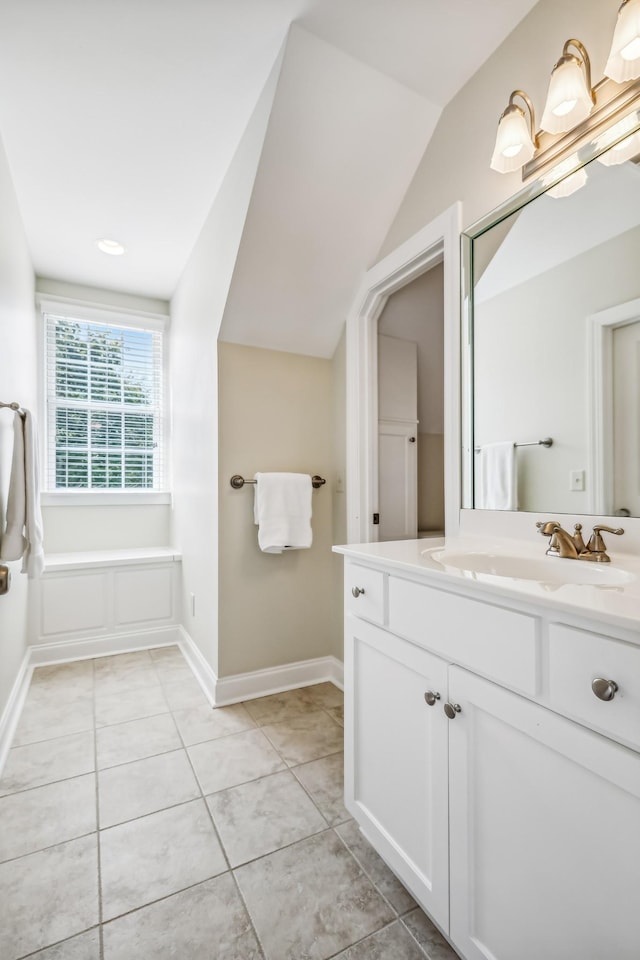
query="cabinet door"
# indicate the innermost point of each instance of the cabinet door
(396, 758)
(545, 832)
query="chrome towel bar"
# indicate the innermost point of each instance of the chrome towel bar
(547, 442)
(13, 406)
(237, 482)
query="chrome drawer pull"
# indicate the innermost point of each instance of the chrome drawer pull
(431, 697)
(451, 709)
(356, 591)
(604, 689)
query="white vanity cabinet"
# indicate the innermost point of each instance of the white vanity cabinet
(516, 827)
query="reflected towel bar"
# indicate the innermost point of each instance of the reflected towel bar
(547, 442)
(237, 482)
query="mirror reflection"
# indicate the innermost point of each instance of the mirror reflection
(556, 347)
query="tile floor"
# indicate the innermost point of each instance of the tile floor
(136, 822)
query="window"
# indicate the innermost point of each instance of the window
(104, 405)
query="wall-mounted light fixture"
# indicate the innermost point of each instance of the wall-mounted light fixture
(570, 98)
(516, 139)
(624, 59)
(575, 113)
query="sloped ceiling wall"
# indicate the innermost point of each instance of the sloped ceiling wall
(342, 145)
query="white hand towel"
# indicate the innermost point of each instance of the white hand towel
(282, 511)
(23, 536)
(497, 469)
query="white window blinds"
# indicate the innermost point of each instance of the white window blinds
(104, 387)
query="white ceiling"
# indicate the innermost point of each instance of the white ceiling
(121, 117)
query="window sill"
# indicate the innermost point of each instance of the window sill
(113, 498)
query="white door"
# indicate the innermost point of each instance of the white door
(398, 480)
(545, 836)
(397, 438)
(626, 418)
(396, 758)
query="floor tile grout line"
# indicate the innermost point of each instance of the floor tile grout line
(98, 847)
(285, 846)
(248, 912)
(48, 783)
(356, 943)
(204, 800)
(368, 875)
(49, 846)
(292, 770)
(58, 943)
(415, 939)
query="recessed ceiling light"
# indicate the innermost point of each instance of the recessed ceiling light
(112, 247)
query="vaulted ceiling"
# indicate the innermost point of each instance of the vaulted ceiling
(120, 118)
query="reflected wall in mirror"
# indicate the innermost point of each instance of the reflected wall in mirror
(555, 299)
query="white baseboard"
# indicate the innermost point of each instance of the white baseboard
(13, 708)
(220, 691)
(261, 683)
(84, 648)
(201, 670)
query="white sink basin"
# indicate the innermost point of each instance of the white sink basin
(550, 570)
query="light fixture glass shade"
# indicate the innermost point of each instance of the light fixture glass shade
(624, 58)
(514, 145)
(625, 150)
(569, 185)
(569, 100)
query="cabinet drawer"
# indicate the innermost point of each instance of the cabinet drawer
(364, 593)
(498, 643)
(576, 658)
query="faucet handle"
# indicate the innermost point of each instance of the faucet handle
(596, 546)
(577, 538)
(547, 527)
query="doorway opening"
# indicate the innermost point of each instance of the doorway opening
(436, 244)
(411, 410)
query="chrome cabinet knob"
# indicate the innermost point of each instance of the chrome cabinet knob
(604, 689)
(451, 709)
(356, 591)
(431, 697)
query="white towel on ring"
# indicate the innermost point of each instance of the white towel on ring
(282, 511)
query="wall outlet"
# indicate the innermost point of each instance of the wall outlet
(192, 604)
(576, 481)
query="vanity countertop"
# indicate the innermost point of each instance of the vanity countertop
(612, 596)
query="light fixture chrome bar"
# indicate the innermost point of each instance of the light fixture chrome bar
(611, 104)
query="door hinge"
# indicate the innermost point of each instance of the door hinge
(376, 518)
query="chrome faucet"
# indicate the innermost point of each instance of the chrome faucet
(563, 544)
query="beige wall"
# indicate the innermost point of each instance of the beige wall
(17, 382)
(456, 163)
(275, 413)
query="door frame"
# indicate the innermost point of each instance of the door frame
(600, 366)
(437, 242)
